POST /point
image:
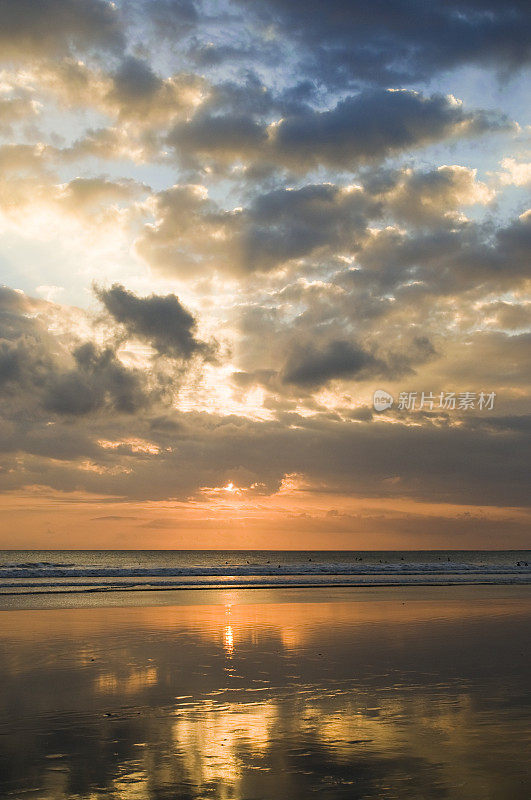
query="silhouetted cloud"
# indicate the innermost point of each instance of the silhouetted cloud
(160, 320)
(308, 366)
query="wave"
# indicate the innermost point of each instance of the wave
(48, 570)
(40, 577)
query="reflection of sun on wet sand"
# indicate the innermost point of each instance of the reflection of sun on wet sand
(279, 608)
(418, 689)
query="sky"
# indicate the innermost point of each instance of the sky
(224, 226)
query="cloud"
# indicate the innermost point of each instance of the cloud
(28, 159)
(360, 129)
(97, 381)
(373, 125)
(128, 104)
(433, 462)
(64, 375)
(138, 92)
(50, 379)
(83, 194)
(210, 55)
(15, 302)
(286, 224)
(134, 81)
(192, 234)
(508, 316)
(430, 197)
(188, 232)
(496, 359)
(398, 41)
(160, 320)
(34, 202)
(516, 173)
(447, 260)
(113, 143)
(170, 19)
(16, 109)
(225, 138)
(58, 27)
(263, 181)
(61, 374)
(311, 367)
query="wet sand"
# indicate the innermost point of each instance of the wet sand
(335, 693)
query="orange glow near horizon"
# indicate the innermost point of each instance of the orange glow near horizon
(231, 519)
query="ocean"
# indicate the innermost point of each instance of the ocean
(82, 571)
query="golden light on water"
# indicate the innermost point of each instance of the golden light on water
(228, 639)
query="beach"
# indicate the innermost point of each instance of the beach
(399, 692)
(265, 400)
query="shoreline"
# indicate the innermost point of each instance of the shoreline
(247, 595)
(207, 587)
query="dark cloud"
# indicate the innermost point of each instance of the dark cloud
(26, 348)
(287, 224)
(42, 373)
(160, 320)
(312, 367)
(222, 137)
(448, 260)
(248, 96)
(396, 41)
(135, 81)
(375, 124)
(57, 27)
(513, 245)
(98, 381)
(32, 374)
(139, 93)
(437, 461)
(360, 129)
(211, 55)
